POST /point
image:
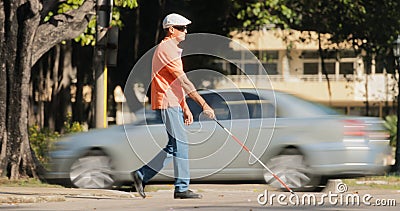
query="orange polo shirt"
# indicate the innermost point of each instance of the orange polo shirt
(166, 90)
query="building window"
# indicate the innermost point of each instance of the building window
(330, 68)
(232, 69)
(267, 56)
(272, 69)
(346, 68)
(315, 55)
(269, 61)
(251, 69)
(381, 65)
(310, 68)
(312, 62)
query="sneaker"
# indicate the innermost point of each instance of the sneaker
(138, 183)
(187, 195)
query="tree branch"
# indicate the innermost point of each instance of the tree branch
(62, 27)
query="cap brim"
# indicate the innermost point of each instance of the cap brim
(180, 24)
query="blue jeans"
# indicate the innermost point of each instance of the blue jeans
(177, 150)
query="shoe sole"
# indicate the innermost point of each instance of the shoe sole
(187, 198)
(179, 197)
(138, 187)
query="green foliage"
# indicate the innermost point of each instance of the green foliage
(255, 14)
(391, 182)
(391, 125)
(88, 37)
(25, 182)
(126, 3)
(69, 5)
(345, 20)
(72, 127)
(48, 17)
(42, 139)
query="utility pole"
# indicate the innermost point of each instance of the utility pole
(103, 19)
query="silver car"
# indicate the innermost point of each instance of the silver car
(304, 143)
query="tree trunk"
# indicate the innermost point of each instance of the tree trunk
(160, 14)
(321, 54)
(396, 167)
(367, 69)
(137, 34)
(3, 93)
(22, 42)
(22, 18)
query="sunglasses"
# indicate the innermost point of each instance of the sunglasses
(180, 28)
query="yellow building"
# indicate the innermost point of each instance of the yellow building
(296, 67)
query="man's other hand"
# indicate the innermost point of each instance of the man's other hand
(208, 111)
(187, 116)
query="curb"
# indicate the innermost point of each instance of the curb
(332, 186)
(14, 195)
(30, 199)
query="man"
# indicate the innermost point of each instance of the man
(168, 88)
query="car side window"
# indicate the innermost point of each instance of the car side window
(247, 105)
(237, 105)
(259, 107)
(194, 108)
(234, 105)
(216, 102)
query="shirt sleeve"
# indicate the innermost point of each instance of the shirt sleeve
(175, 68)
(173, 62)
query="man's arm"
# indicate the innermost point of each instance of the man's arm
(189, 88)
(175, 67)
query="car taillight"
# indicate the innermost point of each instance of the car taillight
(379, 135)
(354, 127)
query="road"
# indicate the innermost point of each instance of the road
(215, 197)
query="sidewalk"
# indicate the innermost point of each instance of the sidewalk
(13, 195)
(19, 195)
(16, 195)
(160, 197)
(218, 193)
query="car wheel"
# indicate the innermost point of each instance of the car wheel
(291, 167)
(92, 171)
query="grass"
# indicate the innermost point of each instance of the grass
(28, 182)
(378, 182)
